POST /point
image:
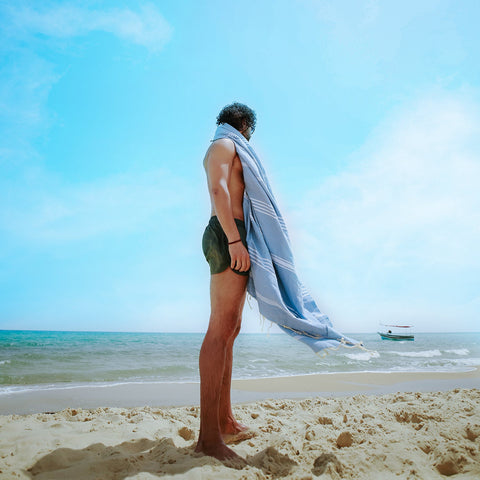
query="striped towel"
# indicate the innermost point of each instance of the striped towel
(273, 282)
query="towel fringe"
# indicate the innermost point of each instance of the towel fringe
(342, 343)
(269, 326)
(325, 351)
(260, 316)
(249, 297)
(263, 320)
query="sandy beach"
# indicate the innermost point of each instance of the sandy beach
(408, 426)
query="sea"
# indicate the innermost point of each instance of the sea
(42, 360)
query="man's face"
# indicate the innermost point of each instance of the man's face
(247, 133)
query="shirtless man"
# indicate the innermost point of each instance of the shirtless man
(224, 246)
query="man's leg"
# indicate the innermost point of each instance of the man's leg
(227, 295)
(228, 424)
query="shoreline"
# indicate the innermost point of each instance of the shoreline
(174, 394)
(20, 388)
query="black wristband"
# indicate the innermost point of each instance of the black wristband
(236, 241)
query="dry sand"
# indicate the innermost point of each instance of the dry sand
(399, 435)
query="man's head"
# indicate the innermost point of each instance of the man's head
(239, 116)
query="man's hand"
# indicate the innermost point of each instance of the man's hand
(240, 257)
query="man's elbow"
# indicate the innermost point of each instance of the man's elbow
(218, 191)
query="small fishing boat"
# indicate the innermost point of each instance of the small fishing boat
(397, 332)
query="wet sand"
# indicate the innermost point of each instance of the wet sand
(182, 394)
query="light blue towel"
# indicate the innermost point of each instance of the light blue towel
(273, 281)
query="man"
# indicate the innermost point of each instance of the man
(225, 248)
(233, 168)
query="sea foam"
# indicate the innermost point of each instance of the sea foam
(424, 354)
(460, 351)
(362, 355)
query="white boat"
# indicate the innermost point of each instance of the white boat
(397, 332)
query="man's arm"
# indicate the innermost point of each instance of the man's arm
(219, 167)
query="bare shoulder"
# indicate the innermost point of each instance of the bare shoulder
(222, 145)
(221, 150)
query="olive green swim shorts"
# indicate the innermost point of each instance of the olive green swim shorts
(215, 245)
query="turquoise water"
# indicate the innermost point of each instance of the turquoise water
(42, 359)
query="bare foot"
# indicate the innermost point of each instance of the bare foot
(235, 432)
(217, 450)
(230, 438)
(233, 428)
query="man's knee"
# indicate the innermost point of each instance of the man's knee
(225, 327)
(237, 328)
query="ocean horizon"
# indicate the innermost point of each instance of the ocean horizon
(43, 360)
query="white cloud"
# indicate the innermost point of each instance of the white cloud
(147, 27)
(402, 224)
(24, 89)
(27, 77)
(386, 44)
(46, 211)
(34, 206)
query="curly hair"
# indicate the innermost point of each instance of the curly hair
(237, 113)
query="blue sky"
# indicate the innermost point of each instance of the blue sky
(368, 124)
